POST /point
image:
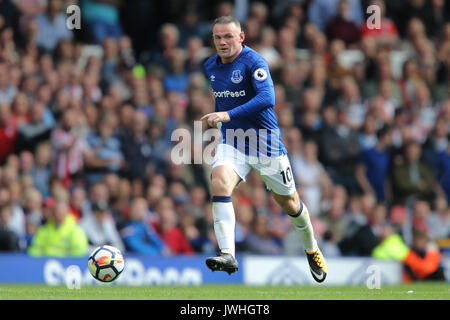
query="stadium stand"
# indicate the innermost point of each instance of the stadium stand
(365, 116)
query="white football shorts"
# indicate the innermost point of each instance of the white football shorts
(276, 172)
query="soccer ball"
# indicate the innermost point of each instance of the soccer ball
(106, 263)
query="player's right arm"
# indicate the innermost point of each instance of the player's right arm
(215, 117)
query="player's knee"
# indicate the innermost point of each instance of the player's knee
(221, 185)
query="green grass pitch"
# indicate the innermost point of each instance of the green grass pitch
(414, 291)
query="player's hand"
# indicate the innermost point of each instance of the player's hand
(215, 117)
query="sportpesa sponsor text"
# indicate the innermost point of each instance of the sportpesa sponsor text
(229, 94)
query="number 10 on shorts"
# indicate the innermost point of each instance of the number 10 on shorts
(287, 175)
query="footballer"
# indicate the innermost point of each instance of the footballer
(250, 139)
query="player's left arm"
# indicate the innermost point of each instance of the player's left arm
(265, 92)
(264, 98)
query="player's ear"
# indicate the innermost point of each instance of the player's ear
(242, 36)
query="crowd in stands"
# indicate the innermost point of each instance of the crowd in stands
(86, 118)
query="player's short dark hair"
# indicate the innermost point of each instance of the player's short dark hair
(227, 20)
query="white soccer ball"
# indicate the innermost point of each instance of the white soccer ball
(106, 263)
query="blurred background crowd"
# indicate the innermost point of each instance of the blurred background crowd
(86, 117)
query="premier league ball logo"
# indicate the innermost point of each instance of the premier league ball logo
(260, 74)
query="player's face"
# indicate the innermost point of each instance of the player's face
(228, 40)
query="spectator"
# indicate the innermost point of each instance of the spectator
(34, 215)
(7, 90)
(32, 205)
(140, 236)
(351, 102)
(409, 77)
(136, 148)
(355, 217)
(421, 213)
(100, 227)
(60, 236)
(444, 172)
(35, 131)
(372, 172)
(411, 177)
(176, 79)
(341, 27)
(266, 47)
(103, 18)
(200, 232)
(386, 35)
(260, 240)
(308, 119)
(436, 144)
(334, 216)
(196, 202)
(339, 148)
(168, 43)
(158, 134)
(168, 228)
(368, 236)
(98, 192)
(9, 241)
(13, 197)
(110, 66)
(51, 26)
(439, 220)
(8, 132)
(191, 25)
(77, 201)
(421, 262)
(244, 218)
(41, 170)
(423, 109)
(320, 12)
(20, 109)
(368, 132)
(104, 152)
(312, 178)
(68, 149)
(294, 145)
(196, 53)
(424, 260)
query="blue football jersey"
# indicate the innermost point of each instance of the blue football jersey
(244, 88)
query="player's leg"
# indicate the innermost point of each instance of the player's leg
(229, 169)
(278, 178)
(223, 180)
(299, 216)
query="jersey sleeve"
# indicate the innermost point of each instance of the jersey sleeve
(260, 75)
(265, 93)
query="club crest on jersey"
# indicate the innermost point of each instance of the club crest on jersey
(236, 76)
(260, 74)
